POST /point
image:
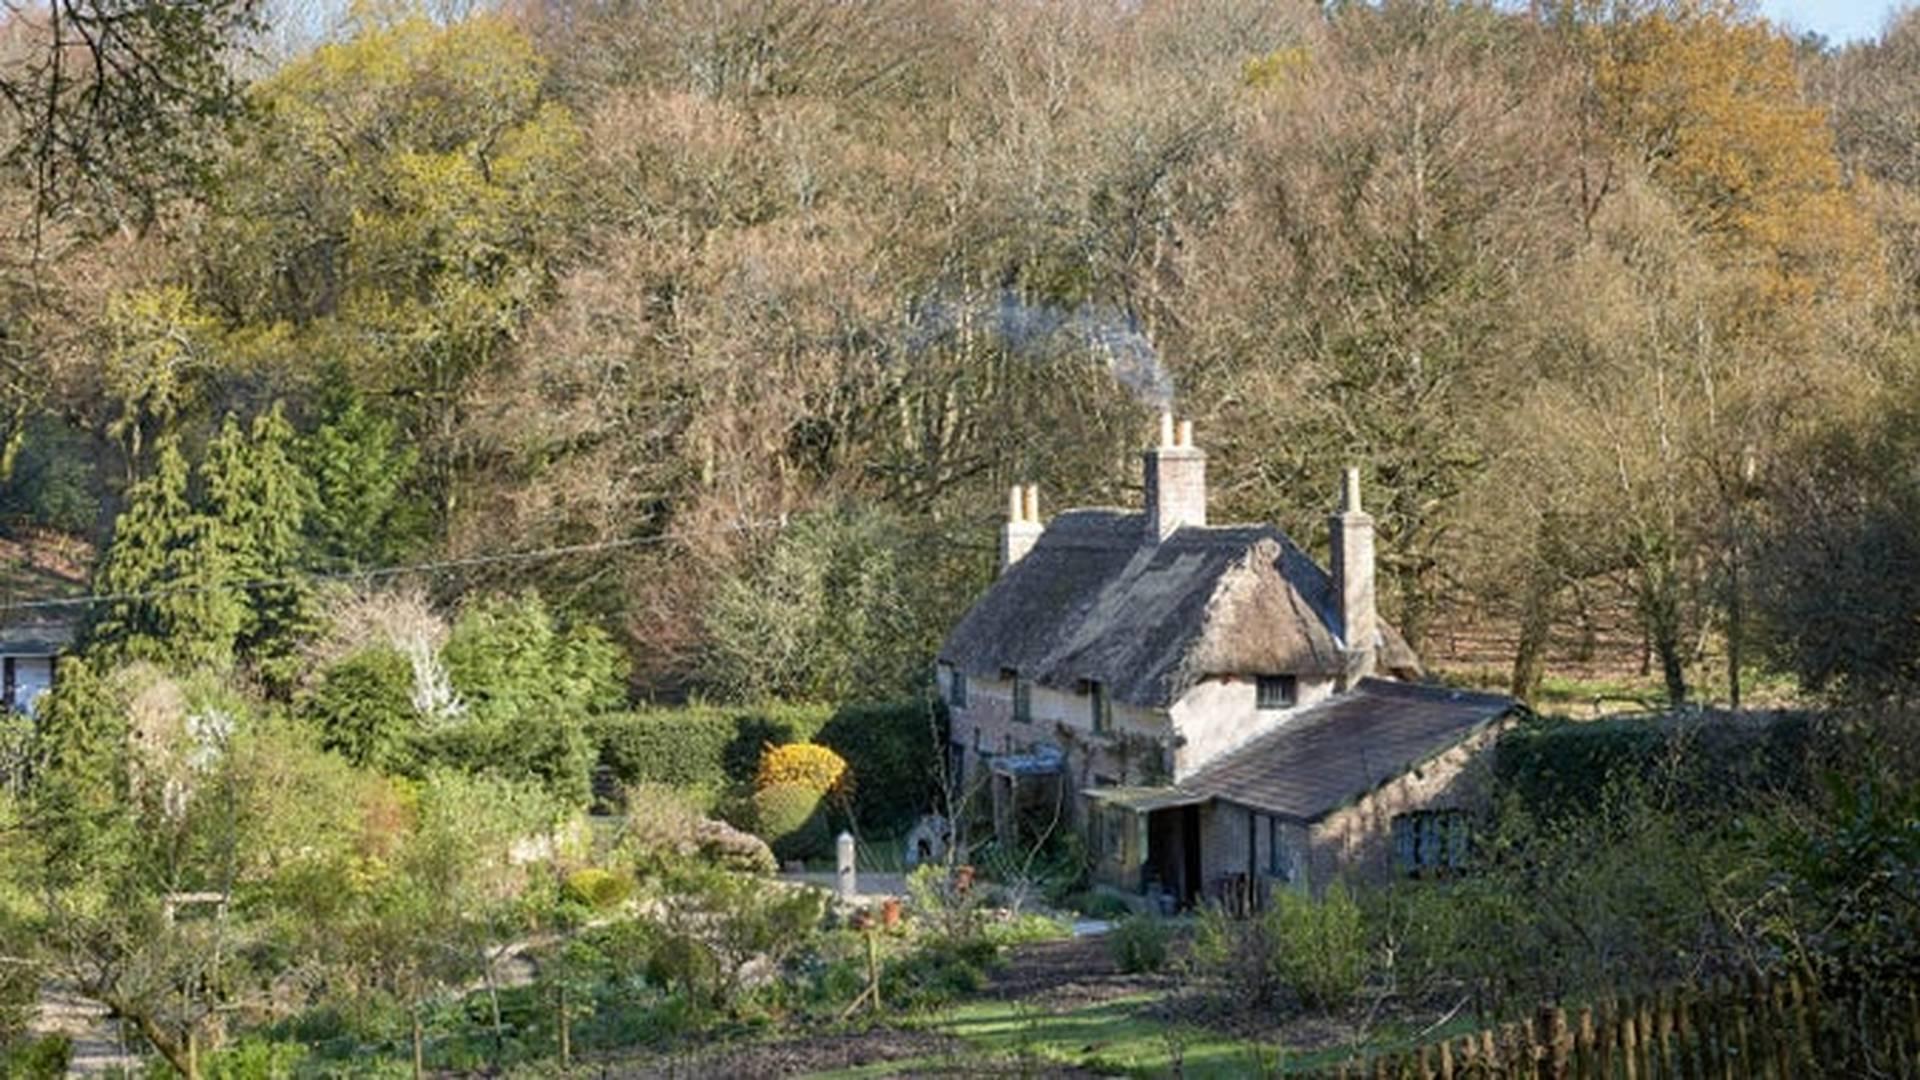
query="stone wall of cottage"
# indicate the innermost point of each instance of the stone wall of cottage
(1133, 750)
(1357, 842)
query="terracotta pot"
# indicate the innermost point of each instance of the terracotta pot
(890, 912)
(963, 878)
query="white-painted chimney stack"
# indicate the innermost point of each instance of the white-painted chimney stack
(1023, 527)
(1353, 580)
(1176, 481)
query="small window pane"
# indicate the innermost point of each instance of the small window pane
(957, 690)
(1276, 692)
(1022, 700)
(1102, 706)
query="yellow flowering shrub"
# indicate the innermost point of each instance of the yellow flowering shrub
(807, 765)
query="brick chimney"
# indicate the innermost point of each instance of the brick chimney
(1352, 530)
(1023, 527)
(1176, 478)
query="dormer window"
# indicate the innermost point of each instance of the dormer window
(1276, 692)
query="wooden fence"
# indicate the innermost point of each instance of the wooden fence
(1775, 1028)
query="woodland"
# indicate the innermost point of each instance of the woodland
(451, 427)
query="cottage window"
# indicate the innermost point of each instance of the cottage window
(1102, 706)
(957, 689)
(1281, 865)
(1022, 700)
(1429, 842)
(1277, 692)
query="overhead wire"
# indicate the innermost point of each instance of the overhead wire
(373, 573)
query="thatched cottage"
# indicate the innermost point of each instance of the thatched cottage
(1217, 712)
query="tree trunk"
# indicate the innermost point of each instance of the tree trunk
(1736, 622)
(1530, 655)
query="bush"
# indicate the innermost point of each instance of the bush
(598, 889)
(809, 765)
(1139, 944)
(792, 819)
(1320, 945)
(1561, 768)
(1316, 948)
(363, 709)
(717, 927)
(662, 826)
(889, 747)
(45, 1058)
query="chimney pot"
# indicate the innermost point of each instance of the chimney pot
(1176, 481)
(1023, 527)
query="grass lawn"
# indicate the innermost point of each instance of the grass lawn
(1111, 1037)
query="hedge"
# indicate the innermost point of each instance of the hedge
(894, 756)
(1560, 767)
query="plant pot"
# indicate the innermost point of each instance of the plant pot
(890, 912)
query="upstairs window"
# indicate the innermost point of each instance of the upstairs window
(1022, 700)
(1100, 705)
(957, 689)
(1277, 692)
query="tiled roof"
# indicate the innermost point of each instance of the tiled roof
(1344, 747)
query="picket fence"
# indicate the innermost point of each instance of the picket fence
(1775, 1028)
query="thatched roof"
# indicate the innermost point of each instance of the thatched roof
(1343, 748)
(1093, 600)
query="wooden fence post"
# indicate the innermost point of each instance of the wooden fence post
(1606, 1036)
(1553, 1038)
(1630, 1039)
(1583, 1045)
(1778, 1035)
(1686, 1065)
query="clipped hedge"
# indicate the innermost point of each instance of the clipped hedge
(892, 753)
(1562, 768)
(792, 819)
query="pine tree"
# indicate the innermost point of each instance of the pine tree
(81, 815)
(257, 501)
(158, 570)
(359, 515)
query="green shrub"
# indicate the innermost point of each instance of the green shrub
(363, 709)
(792, 819)
(1316, 948)
(1139, 944)
(1560, 768)
(889, 747)
(45, 1058)
(1095, 904)
(1319, 946)
(601, 890)
(253, 1058)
